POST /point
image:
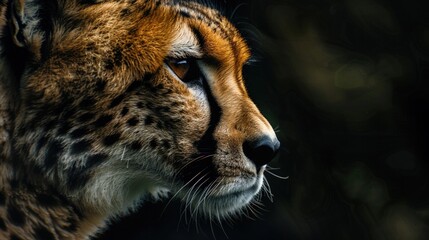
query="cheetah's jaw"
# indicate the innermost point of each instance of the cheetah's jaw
(227, 199)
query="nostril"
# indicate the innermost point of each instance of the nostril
(261, 150)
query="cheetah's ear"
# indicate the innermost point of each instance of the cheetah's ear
(17, 22)
(24, 25)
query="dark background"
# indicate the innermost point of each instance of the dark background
(345, 84)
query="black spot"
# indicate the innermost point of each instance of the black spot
(124, 111)
(149, 120)
(86, 117)
(135, 145)
(146, 12)
(15, 215)
(153, 143)
(50, 124)
(14, 237)
(87, 1)
(185, 14)
(77, 177)
(103, 120)
(162, 109)
(41, 233)
(87, 102)
(21, 131)
(134, 86)
(140, 105)
(15, 184)
(117, 56)
(2, 198)
(131, 31)
(80, 147)
(64, 128)
(2, 224)
(47, 200)
(79, 132)
(68, 113)
(95, 160)
(147, 77)
(109, 64)
(132, 122)
(125, 12)
(61, 107)
(90, 47)
(117, 101)
(100, 85)
(165, 144)
(111, 139)
(53, 153)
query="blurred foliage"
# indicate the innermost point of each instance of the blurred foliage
(345, 83)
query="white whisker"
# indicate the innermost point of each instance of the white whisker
(277, 176)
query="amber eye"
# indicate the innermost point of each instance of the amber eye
(185, 69)
(179, 67)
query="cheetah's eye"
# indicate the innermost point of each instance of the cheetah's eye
(185, 69)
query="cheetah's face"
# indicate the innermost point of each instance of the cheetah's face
(128, 99)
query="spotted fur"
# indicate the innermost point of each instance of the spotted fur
(93, 121)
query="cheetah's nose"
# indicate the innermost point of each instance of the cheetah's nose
(261, 150)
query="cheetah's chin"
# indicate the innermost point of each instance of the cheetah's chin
(229, 200)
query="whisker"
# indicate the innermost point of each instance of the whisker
(178, 191)
(271, 168)
(267, 189)
(277, 176)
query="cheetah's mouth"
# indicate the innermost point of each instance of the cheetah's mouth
(223, 198)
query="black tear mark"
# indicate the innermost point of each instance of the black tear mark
(207, 143)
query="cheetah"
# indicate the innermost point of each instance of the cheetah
(106, 103)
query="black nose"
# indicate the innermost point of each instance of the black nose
(261, 150)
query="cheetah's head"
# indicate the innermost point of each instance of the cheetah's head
(119, 99)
